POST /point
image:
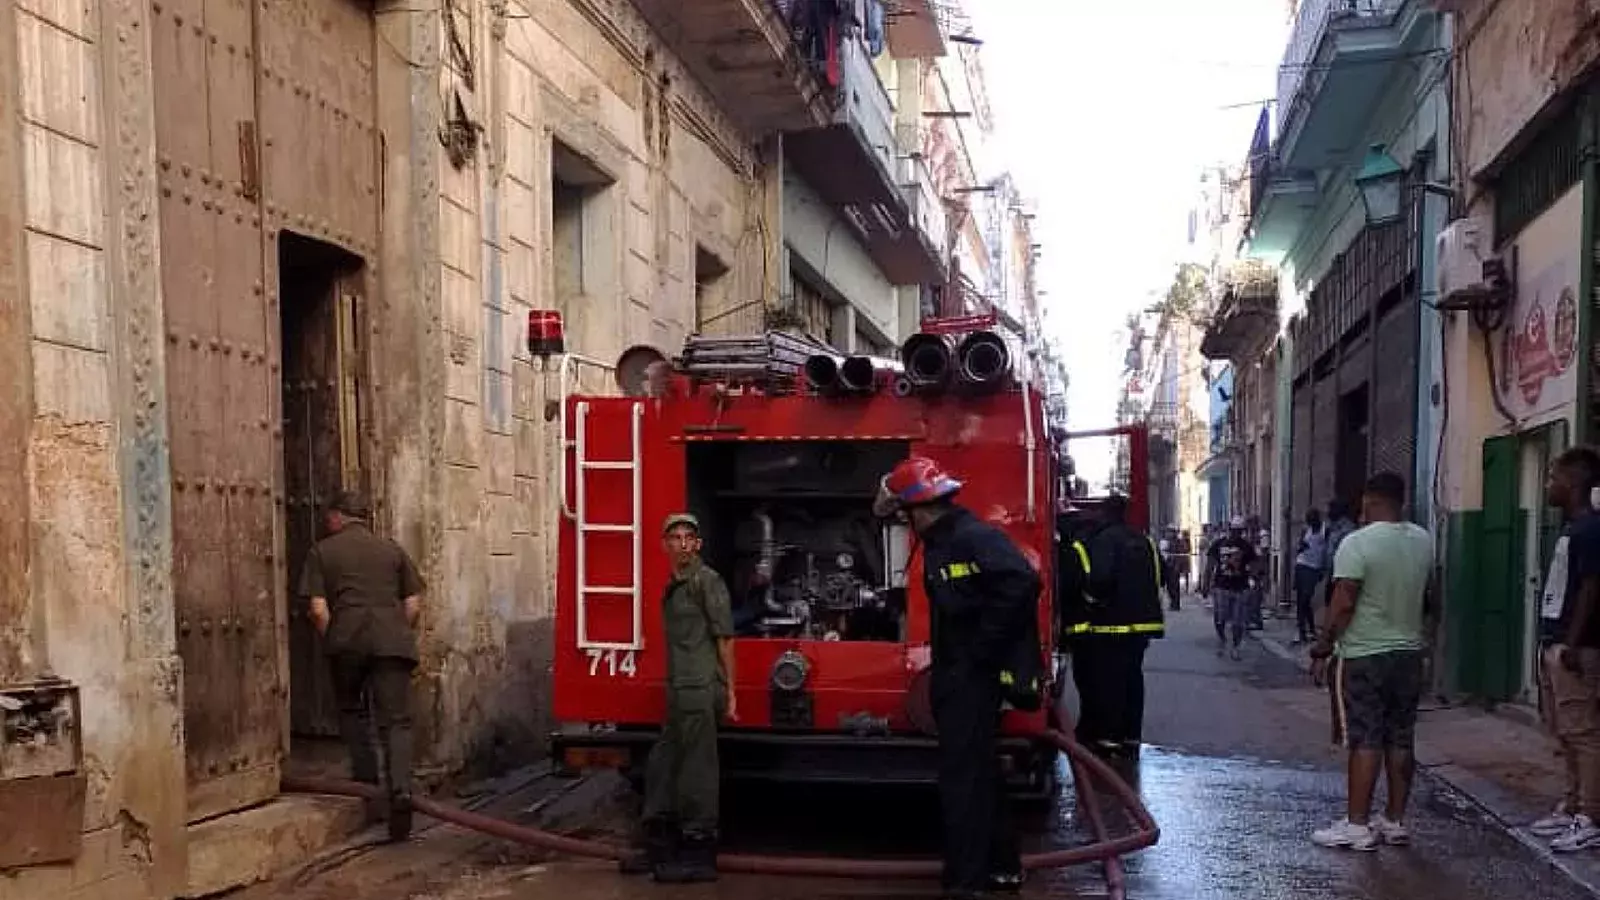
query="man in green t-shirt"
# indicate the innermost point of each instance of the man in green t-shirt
(1376, 634)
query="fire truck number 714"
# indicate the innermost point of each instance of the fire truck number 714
(613, 662)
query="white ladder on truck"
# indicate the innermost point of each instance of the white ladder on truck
(635, 587)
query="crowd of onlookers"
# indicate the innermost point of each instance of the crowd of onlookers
(1236, 557)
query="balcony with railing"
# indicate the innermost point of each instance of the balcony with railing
(1281, 200)
(1247, 318)
(754, 57)
(1342, 56)
(855, 165)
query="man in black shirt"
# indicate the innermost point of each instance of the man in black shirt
(1569, 632)
(983, 599)
(1227, 582)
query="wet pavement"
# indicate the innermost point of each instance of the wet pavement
(1240, 770)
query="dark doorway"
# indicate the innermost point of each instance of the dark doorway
(1350, 462)
(321, 290)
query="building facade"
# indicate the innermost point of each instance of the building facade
(253, 257)
(1515, 268)
(1447, 340)
(1356, 80)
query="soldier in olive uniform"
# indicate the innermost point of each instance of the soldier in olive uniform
(679, 839)
(365, 596)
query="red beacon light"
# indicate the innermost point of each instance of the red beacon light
(546, 337)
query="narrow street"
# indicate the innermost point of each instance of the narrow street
(1238, 773)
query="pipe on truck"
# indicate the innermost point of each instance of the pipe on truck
(860, 374)
(829, 374)
(822, 372)
(985, 361)
(929, 361)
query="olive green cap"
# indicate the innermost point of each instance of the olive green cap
(351, 503)
(681, 518)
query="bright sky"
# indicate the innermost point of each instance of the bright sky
(1107, 112)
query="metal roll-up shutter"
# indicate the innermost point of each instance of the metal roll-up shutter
(1302, 439)
(1324, 438)
(1394, 425)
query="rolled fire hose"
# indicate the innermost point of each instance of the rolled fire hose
(1145, 833)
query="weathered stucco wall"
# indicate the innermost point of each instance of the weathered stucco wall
(99, 612)
(675, 176)
(1513, 56)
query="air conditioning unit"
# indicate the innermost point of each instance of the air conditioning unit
(1460, 249)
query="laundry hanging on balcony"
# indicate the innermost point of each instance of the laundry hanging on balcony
(818, 26)
(875, 28)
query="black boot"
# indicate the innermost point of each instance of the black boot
(655, 845)
(399, 816)
(694, 863)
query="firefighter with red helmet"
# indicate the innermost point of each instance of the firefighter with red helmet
(983, 597)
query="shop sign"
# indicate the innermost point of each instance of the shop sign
(1538, 347)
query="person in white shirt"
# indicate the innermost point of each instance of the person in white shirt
(1309, 567)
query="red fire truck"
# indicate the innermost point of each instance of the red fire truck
(778, 446)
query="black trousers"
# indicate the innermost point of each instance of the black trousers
(1306, 580)
(381, 684)
(980, 839)
(1109, 673)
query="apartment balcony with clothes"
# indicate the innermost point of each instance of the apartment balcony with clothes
(1247, 317)
(750, 55)
(854, 164)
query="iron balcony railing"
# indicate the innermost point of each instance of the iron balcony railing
(1310, 27)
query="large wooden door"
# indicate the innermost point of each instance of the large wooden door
(264, 115)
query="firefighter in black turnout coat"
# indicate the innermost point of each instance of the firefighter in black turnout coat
(1110, 596)
(983, 596)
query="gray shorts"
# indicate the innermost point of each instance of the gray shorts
(1376, 699)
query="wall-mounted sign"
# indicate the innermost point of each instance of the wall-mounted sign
(1536, 351)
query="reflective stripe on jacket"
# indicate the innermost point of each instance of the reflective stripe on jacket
(1123, 578)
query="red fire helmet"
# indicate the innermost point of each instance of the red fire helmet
(919, 480)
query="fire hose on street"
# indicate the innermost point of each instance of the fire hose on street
(1086, 769)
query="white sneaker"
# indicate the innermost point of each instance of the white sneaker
(1390, 832)
(1554, 825)
(1346, 834)
(1581, 836)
